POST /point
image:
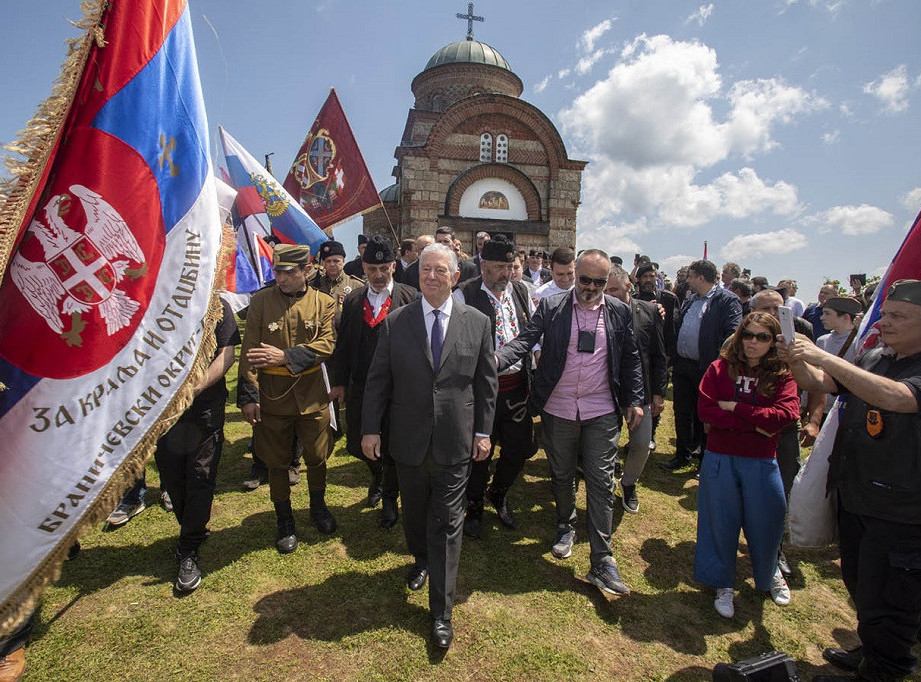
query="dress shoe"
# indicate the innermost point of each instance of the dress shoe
(418, 574)
(500, 502)
(442, 633)
(784, 565)
(675, 463)
(846, 659)
(13, 664)
(390, 513)
(473, 525)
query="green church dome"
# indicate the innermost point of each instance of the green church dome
(470, 52)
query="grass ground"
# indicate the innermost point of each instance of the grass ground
(338, 608)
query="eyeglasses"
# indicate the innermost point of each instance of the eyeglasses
(598, 282)
(763, 337)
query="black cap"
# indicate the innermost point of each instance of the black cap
(362, 239)
(617, 260)
(908, 290)
(379, 250)
(536, 253)
(331, 248)
(498, 249)
(644, 268)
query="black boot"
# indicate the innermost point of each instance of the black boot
(285, 540)
(376, 489)
(499, 500)
(473, 521)
(320, 514)
(389, 513)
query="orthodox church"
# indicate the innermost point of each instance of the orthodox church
(478, 158)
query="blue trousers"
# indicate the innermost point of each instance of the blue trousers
(738, 493)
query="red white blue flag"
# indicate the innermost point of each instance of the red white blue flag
(906, 264)
(106, 306)
(263, 204)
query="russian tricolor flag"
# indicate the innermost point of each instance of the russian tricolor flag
(261, 196)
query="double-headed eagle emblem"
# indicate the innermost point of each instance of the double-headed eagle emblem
(80, 271)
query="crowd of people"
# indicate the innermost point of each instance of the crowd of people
(434, 366)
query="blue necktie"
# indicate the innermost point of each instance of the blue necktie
(438, 340)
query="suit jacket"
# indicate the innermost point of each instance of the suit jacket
(721, 318)
(410, 275)
(349, 363)
(353, 268)
(553, 321)
(648, 328)
(435, 410)
(545, 275)
(468, 269)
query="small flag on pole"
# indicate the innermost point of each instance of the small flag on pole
(705, 250)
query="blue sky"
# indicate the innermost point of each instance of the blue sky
(783, 132)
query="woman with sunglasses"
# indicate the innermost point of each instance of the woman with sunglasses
(747, 396)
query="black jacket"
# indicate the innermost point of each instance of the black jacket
(650, 340)
(553, 322)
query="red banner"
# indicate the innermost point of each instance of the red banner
(329, 177)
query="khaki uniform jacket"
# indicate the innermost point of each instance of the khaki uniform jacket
(303, 328)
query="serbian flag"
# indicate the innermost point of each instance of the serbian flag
(263, 204)
(245, 277)
(329, 176)
(905, 265)
(106, 307)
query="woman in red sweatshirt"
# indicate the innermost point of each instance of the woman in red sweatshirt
(746, 397)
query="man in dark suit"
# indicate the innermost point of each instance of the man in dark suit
(650, 341)
(588, 378)
(536, 273)
(434, 367)
(363, 311)
(707, 318)
(446, 235)
(353, 267)
(477, 260)
(411, 273)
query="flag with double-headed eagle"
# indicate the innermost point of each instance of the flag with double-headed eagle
(329, 177)
(108, 299)
(262, 204)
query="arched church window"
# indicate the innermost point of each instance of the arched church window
(502, 148)
(486, 147)
(437, 103)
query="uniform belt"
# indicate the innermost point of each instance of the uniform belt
(283, 371)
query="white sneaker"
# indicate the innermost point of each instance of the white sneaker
(780, 592)
(723, 602)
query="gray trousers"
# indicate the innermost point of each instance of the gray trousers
(638, 449)
(591, 443)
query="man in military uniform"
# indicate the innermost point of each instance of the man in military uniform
(334, 281)
(354, 268)
(289, 333)
(876, 468)
(508, 306)
(363, 310)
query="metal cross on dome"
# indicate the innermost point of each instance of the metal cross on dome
(470, 17)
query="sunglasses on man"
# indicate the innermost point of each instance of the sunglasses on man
(598, 282)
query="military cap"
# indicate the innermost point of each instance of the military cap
(290, 256)
(644, 268)
(843, 304)
(379, 251)
(908, 290)
(617, 260)
(498, 249)
(362, 239)
(536, 253)
(332, 248)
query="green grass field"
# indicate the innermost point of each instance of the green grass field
(338, 609)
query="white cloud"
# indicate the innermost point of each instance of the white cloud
(591, 36)
(744, 247)
(852, 220)
(701, 15)
(586, 63)
(830, 6)
(891, 89)
(831, 137)
(616, 240)
(542, 85)
(911, 199)
(649, 129)
(562, 73)
(671, 264)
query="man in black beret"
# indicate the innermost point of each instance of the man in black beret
(876, 469)
(353, 268)
(363, 310)
(508, 306)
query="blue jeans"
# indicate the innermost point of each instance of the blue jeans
(738, 493)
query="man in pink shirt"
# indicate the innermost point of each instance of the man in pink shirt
(589, 374)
